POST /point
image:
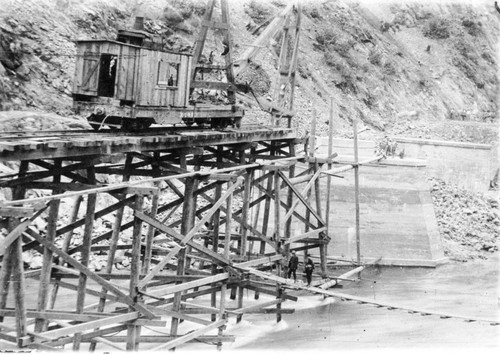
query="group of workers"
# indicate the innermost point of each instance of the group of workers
(293, 264)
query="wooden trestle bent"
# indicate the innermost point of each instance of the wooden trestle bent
(170, 234)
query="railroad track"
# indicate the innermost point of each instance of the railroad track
(90, 133)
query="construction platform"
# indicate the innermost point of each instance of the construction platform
(178, 222)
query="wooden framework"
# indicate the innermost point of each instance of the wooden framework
(208, 224)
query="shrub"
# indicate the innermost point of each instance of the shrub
(342, 46)
(188, 8)
(326, 36)
(473, 28)
(259, 11)
(389, 68)
(375, 57)
(312, 11)
(437, 28)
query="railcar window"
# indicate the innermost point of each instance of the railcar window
(107, 75)
(168, 73)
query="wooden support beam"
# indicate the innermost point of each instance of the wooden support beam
(180, 316)
(305, 235)
(161, 339)
(303, 199)
(85, 253)
(133, 331)
(44, 289)
(82, 327)
(110, 287)
(257, 306)
(18, 230)
(186, 338)
(12, 262)
(172, 289)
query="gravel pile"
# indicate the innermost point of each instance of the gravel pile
(469, 223)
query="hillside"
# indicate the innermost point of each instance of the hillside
(404, 68)
(409, 68)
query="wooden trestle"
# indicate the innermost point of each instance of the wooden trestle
(195, 216)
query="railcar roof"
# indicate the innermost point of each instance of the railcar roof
(128, 45)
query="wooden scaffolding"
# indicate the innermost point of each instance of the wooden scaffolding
(189, 227)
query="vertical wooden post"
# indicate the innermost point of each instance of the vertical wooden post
(10, 260)
(65, 247)
(245, 207)
(256, 214)
(245, 219)
(229, 217)
(329, 177)
(5, 273)
(85, 253)
(277, 208)
(188, 213)
(19, 282)
(356, 193)
(228, 41)
(148, 250)
(227, 241)
(115, 236)
(216, 230)
(133, 331)
(277, 235)
(200, 42)
(312, 153)
(267, 209)
(289, 202)
(13, 263)
(44, 290)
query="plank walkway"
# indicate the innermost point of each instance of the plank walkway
(364, 300)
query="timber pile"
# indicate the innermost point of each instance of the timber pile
(468, 222)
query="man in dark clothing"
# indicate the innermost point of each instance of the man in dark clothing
(309, 267)
(293, 263)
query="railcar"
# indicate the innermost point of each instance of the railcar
(132, 82)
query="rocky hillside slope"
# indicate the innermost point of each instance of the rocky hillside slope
(408, 68)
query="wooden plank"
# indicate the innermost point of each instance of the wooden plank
(261, 289)
(44, 289)
(133, 331)
(18, 212)
(89, 291)
(181, 316)
(51, 315)
(163, 338)
(90, 336)
(82, 327)
(257, 306)
(305, 235)
(188, 285)
(186, 338)
(259, 261)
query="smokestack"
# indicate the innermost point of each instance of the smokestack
(139, 24)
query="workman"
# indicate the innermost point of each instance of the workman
(293, 263)
(309, 267)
